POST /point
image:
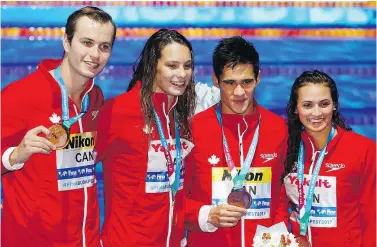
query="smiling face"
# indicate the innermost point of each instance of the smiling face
(174, 70)
(237, 85)
(315, 107)
(90, 48)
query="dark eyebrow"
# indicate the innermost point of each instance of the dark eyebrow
(87, 38)
(229, 80)
(173, 61)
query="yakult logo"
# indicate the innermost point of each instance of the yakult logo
(160, 148)
(268, 157)
(320, 182)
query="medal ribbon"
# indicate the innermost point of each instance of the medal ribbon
(305, 210)
(238, 179)
(174, 174)
(68, 122)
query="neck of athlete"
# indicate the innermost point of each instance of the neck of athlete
(320, 138)
(75, 83)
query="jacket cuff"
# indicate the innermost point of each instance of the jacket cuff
(6, 163)
(204, 225)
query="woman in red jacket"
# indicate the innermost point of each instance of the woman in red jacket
(330, 171)
(145, 140)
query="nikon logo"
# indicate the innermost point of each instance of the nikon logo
(80, 142)
(250, 176)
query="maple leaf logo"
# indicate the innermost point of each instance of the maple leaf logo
(55, 118)
(213, 160)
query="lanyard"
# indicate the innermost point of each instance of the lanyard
(305, 210)
(68, 122)
(174, 174)
(238, 179)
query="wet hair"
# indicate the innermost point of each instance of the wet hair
(93, 13)
(145, 70)
(294, 124)
(232, 52)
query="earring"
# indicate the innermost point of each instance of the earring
(334, 108)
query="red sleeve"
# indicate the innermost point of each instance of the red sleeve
(367, 192)
(282, 209)
(104, 133)
(282, 206)
(98, 99)
(13, 119)
(192, 207)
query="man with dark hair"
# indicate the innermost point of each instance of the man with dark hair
(230, 193)
(48, 132)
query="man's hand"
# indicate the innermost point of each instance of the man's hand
(31, 144)
(225, 215)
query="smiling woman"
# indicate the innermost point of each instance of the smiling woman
(144, 140)
(325, 202)
(174, 70)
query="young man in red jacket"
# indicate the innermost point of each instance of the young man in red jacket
(232, 178)
(48, 131)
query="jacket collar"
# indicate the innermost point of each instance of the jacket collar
(161, 104)
(159, 100)
(309, 146)
(238, 123)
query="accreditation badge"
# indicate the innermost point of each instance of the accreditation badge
(257, 183)
(75, 162)
(157, 179)
(323, 212)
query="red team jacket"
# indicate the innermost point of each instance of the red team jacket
(344, 204)
(44, 202)
(138, 201)
(208, 163)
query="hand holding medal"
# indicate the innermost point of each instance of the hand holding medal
(31, 144)
(225, 215)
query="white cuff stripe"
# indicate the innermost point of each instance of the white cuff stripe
(204, 225)
(6, 163)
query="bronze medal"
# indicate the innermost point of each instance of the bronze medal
(58, 136)
(240, 198)
(303, 241)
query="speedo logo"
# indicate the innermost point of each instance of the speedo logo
(79, 141)
(334, 167)
(268, 157)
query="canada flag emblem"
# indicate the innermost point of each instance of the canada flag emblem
(213, 160)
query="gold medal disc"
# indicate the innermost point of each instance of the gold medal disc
(58, 136)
